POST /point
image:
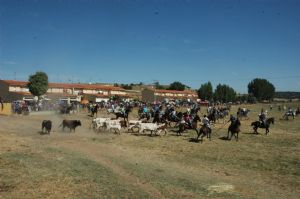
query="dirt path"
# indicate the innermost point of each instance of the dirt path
(97, 153)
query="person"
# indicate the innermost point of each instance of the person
(173, 114)
(206, 122)
(244, 110)
(145, 109)
(232, 119)
(290, 111)
(188, 119)
(122, 109)
(262, 117)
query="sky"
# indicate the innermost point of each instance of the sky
(131, 41)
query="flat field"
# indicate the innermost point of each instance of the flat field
(86, 164)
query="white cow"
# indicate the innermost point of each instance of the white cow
(113, 125)
(153, 127)
(99, 122)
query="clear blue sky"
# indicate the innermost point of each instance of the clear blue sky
(192, 41)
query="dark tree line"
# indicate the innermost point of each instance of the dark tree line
(223, 93)
(258, 90)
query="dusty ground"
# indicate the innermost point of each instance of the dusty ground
(85, 164)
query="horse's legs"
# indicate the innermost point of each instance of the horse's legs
(231, 134)
(202, 136)
(228, 135)
(255, 129)
(196, 130)
(200, 133)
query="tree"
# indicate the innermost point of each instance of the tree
(177, 86)
(261, 89)
(158, 86)
(126, 86)
(38, 84)
(205, 92)
(224, 93)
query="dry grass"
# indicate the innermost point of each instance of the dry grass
(105, 165)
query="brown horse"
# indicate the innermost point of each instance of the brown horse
(204, 131)
(234, 129)
(184, 126)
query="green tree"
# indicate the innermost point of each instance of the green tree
(158, 86)
(205, 92)
(38, 84)
(224, 93)
(126, 86)
(177, 86)
(261, 89)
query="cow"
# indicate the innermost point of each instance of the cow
(135, 124)
(153, 127)
(71, 124)
(98, 123)
(115, 125)
(47, 125)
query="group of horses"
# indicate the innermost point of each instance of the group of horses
(214, 115)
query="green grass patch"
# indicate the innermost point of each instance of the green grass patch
(67, 173)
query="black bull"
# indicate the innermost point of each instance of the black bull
(71, 124)
(47, 125)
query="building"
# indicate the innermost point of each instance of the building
(12, 90)
(150, 95)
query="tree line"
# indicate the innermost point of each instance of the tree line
(258, 90)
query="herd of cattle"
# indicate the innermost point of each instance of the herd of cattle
(140, 126)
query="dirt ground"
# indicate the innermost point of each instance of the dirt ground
(86, 164)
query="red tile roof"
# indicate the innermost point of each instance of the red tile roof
(174, 91)
(67, 86)
(24, 93)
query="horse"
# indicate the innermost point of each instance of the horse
(289, 113)
(258, 124)
(65, 109)
(173, 119)
(217, 115)
(234, 129)
(123, 115)
(243, 113)
(204, 131)
(94, 110)
(185, 126)
(145, 115)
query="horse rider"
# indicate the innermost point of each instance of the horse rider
(232, 119)
(206, 122)
(173, 114)
(188, 119)
(122, 109)
(244, 110)
(262, 117)
(290, 111)
(145, 110)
